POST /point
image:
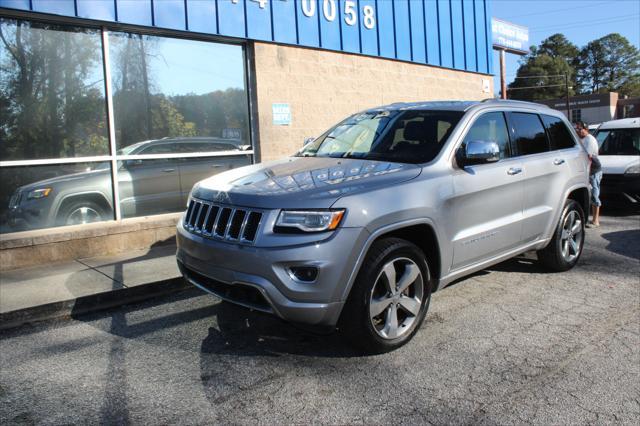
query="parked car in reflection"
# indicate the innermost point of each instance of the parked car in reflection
(619, 153)
(146, 185)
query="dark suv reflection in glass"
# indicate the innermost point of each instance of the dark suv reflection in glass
(146, 186)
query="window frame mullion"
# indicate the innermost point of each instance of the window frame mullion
(111, 123)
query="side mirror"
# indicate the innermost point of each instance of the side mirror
(307, 141)
(480, 152)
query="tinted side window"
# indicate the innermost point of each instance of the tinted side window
(619, 142)
(491, 127)
(159, 148)
(558, 133)
(531, 138)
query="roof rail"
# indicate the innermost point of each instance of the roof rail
(512, 101)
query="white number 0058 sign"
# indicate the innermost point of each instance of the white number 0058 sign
(329, 10)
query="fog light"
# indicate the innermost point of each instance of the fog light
(305, 274)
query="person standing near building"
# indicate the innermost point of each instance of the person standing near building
(595, 174)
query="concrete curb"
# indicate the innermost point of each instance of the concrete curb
(91, 303)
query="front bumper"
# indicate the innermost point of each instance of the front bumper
(257, 277)
(24, 219)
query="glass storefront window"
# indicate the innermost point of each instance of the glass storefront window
(181, 114)
(33, 197)
(174, 88)
(52, 101)
(157, 186)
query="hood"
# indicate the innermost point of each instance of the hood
(617, 164)
(62, 179)
(301, 182)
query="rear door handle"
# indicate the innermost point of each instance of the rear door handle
(558, 161)
(169, 170)
(514, 171)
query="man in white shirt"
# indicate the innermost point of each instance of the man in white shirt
(595, 174)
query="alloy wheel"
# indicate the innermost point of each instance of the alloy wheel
(83, 215)
(396, 298)
(572, 235)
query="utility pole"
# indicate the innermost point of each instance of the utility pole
(503, 76)
(566, 83)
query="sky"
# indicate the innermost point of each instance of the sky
(189, 66)
(579, 20)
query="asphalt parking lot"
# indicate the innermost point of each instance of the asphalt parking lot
(509, 345)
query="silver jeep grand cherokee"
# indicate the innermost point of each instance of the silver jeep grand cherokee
(358, 228)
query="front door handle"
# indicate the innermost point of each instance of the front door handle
(558, 161)
(169, 170)
(514, 171)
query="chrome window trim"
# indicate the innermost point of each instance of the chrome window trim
(178, 155)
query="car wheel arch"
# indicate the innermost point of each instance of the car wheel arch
(93, 196)
(412, 231)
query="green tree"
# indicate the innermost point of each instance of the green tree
(609, 64)
(546, 65)
(559, 45)
(168, 122)
(51, 89)
(537, 73)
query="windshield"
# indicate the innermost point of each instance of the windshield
(619, 141)
(398, 136)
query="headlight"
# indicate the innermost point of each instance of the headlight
(310, 220)
(38, 193)
(633, 170)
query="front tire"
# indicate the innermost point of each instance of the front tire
(390, 297)
(565, 247)
(81, 212)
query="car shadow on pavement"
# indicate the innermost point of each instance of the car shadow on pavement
(619, 207)
(520, 264)
(624, 243)
(243, 332)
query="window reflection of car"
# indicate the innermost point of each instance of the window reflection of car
(619, 153)
(146, 185)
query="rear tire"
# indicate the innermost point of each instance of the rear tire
(565, 248)
(390, 297)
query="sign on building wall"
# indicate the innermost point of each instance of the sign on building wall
(511, 37)
(281, 114)
(448, 33)
(231, 133)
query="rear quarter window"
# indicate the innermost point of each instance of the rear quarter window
(531, 137)
(559, 135)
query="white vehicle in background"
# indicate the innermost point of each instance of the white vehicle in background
(619, 142)
(593, 128)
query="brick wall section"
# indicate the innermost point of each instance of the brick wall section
(324, 87)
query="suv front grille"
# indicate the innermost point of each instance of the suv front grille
(221, 222)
